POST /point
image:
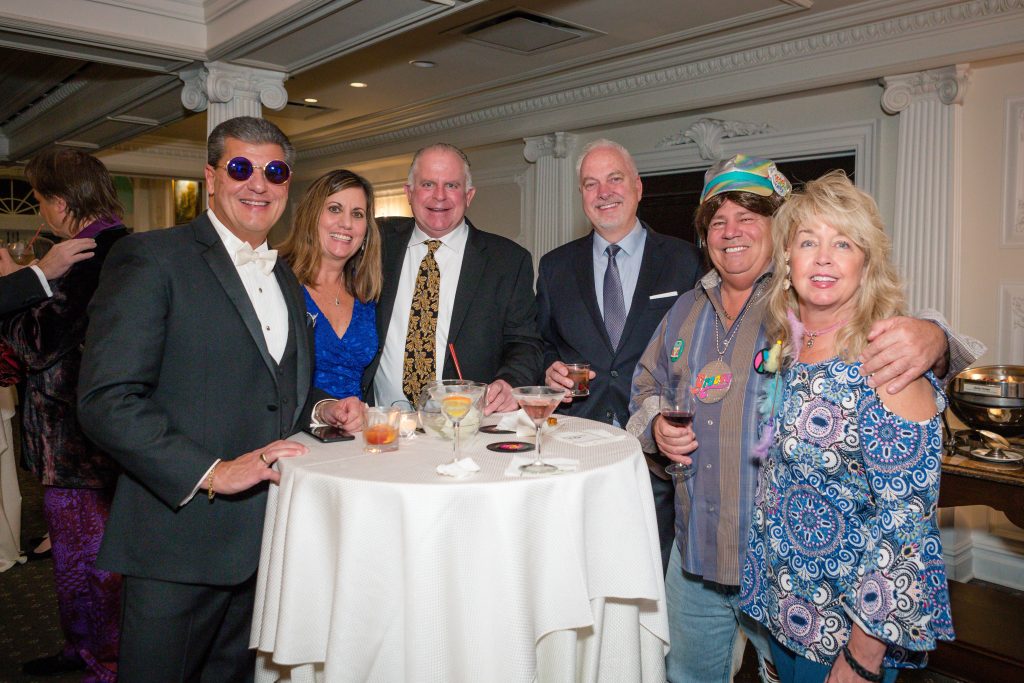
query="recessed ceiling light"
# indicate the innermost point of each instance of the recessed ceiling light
(311, 100)
(357, 84)
(423, 64)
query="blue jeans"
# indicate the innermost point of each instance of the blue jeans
(793, 668)
(704, 627)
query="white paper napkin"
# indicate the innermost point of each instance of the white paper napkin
(460, 469)
(563, 465)
(588, 437)
(517, 422)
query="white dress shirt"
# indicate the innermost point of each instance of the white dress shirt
(42, 279)
(263, 290)
(387, 384)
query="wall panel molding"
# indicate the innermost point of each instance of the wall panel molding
(1011, 323)
(1013, 211)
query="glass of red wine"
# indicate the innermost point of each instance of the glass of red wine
(677, 406)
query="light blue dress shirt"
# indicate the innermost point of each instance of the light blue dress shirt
(629, 258)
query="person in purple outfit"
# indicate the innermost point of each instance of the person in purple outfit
(77, 200)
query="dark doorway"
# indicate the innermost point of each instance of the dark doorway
(671, 199)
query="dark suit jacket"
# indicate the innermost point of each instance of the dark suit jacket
(494, 320)
(19, 290)
(573, 329)
(47, 339)
(176, 373)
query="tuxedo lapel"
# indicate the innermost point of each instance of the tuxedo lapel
(583, 267)
(474, 260)
(216, 258)
(297, 321)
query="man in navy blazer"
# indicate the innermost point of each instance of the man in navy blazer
(654, 270)
(486, 306)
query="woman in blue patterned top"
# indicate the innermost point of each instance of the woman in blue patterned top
(335, 250)
(844, 563)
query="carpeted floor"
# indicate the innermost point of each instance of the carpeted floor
(28, 608)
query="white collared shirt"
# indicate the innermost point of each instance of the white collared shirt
(388, 380)
(263, 290)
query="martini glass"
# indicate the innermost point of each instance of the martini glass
(538, 403)
(677, 406)
(456, 400)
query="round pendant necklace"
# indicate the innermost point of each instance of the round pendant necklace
(715, 378)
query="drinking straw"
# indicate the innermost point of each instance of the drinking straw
(38, 230)
(458, 370)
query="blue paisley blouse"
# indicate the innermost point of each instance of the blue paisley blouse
(340, 362)
(844, 526)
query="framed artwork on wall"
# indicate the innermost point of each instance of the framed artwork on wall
(186, 200)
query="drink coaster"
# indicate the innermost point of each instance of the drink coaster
(510, 446)
(493, 429)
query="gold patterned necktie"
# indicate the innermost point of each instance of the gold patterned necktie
(421, 337)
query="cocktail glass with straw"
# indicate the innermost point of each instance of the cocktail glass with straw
(538, 403)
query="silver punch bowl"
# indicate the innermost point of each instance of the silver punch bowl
(990, 398)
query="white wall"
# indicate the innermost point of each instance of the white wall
(988, 264)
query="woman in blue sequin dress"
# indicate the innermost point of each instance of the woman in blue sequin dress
(844, 564)
(335, 250)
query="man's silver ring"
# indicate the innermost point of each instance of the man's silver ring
(263, 457)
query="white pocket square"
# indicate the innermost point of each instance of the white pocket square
(664, 295)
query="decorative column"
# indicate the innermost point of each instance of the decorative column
(226, 91)
(554, 190)
(926, 229)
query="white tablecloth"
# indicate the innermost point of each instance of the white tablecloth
(376, 568)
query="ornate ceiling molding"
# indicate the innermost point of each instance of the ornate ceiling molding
(795, 53)
(159, 148)
(708, 134)
(52, 99)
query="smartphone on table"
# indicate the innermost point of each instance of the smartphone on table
(328, 434)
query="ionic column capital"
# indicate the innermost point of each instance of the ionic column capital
(558, 145)
(946, 85)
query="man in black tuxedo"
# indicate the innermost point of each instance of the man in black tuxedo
(473, 289)
(21, 286)
(197, 365)
(619, 280)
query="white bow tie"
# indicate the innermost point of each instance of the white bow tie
(264, 259)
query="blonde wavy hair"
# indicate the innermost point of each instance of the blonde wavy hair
(854, 214)
(363, 274)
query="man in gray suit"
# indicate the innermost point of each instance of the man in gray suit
(197, 365)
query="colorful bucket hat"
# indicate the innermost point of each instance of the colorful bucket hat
(745, 174)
